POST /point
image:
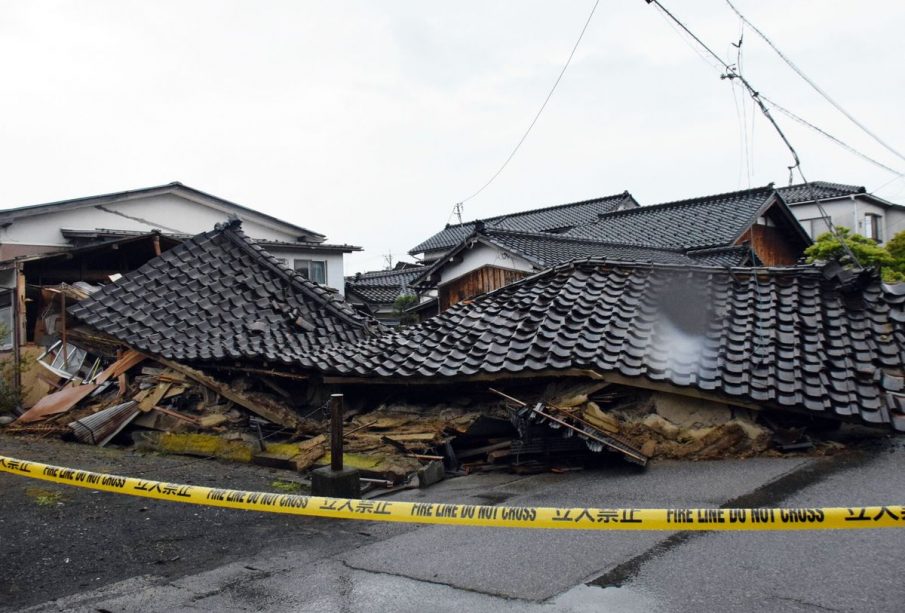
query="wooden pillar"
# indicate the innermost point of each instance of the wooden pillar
(63, 325)
(18, 326)
(336, 432)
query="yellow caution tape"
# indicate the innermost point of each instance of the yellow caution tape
(473, 515)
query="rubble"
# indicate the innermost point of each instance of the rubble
(213, 349)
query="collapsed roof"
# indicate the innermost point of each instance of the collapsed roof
(550, 219)
(801, 338)
(790, 338)
(220, 296)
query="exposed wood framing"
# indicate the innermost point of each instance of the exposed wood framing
(267, 409)
(479, 281)
(638, 382)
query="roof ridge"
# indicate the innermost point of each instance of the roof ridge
(625, 194)
(810, 269)
(124, 192)
(386, 273)
(858, 189)
(706, 250)
(232, 230)
(769, 188)
(579, 239)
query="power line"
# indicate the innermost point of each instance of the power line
(539, 111)
(826, 134)
(816, 87)
(732, 74)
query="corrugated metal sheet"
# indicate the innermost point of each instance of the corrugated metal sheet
(99, 428)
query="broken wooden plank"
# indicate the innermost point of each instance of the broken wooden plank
(57, 402)
(212, 421)
(177, 415)
(153, 398)
(470, 453)
(310, 451)
(265, 408)
(127, 361)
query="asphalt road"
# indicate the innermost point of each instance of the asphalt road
(159, 556)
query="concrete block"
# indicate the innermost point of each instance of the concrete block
(335, 484)
(430, 474)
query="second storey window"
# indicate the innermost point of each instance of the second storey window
(313, 270)
(872, 227)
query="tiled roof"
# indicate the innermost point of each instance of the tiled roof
(547, 219)
(790, 337)
(547, 250)
(221, 296)
(736, 255)
(710, 221)
(821, 190)
(382, 286)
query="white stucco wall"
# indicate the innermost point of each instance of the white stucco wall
(335, 278)
(895, 222)
(166, 212)
(169, 213)
(850, 212)
(482, 255)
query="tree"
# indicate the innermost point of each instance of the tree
(890, 259)
(402, 303)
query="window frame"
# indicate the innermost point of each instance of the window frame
(304, 268)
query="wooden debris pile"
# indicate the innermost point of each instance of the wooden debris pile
(156, 395)
(166, 406)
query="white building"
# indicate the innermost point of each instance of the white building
(173, 209)
(848, 206)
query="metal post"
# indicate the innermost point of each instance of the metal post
(336, 432)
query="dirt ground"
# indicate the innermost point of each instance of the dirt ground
(57, 539)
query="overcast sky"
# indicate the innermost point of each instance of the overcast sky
(367, 121)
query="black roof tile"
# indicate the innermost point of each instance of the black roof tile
(160, 309)
(743, 349)
(697, 223)
(821, 190)
(559, 217)
(382, 286)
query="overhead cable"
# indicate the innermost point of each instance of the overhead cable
(732, 74)
(816, 87)
(539, 111)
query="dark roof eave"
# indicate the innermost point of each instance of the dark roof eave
(307, 247)
(72, 251)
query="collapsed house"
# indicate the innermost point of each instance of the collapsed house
(641, 359)
(817, 341)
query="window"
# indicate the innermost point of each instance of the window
(313, 270)
(872, 227)
(815, 226)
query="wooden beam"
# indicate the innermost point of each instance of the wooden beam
(269, 410)
(638, 382)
